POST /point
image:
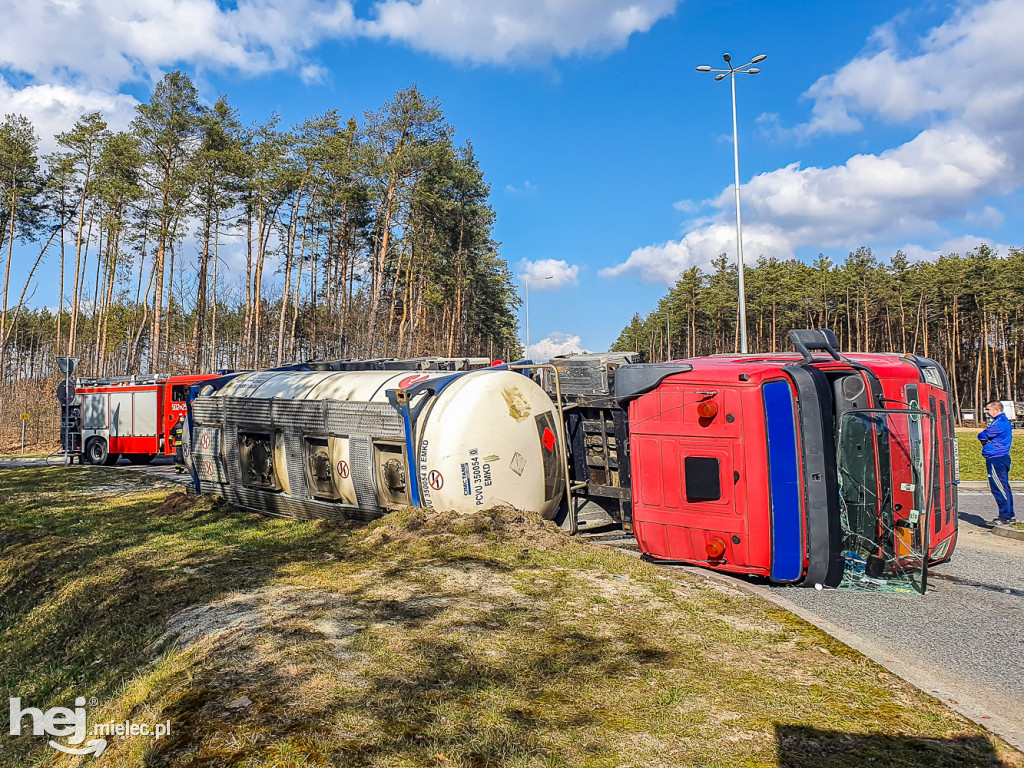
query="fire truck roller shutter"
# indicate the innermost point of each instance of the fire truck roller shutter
(145, 421)
(94, 411)
(121, 414)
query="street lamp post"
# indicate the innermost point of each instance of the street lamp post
(668, 331)
(731, 72)
(527, 280)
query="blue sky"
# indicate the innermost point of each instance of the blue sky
(884, 124)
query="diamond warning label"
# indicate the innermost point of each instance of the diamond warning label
(518, 463)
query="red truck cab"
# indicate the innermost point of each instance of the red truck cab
(794, 467)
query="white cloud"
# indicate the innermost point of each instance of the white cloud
(105, 44)
(665, 262)
(961, 245)
(964, 87)
(54, 108)
(902, 192)
(986, 217)
(527, 188)
(557, 343)
(503, 31)
(109, 42)
(969, 68)
(562, 273)
(906, 189)
(314, 74)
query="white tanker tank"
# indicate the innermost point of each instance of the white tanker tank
(358, 443)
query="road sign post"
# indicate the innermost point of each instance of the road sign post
(24, 422)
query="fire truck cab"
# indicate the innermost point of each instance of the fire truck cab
(130, 417)
(803, 468)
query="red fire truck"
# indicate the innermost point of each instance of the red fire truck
(802, 468)
(130, 417)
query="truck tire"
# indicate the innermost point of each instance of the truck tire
(96, 451)
(140, 458)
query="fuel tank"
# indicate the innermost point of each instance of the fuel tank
(356, 444)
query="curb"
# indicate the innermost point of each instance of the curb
(974, 711)
(1007, 532)
(982, 485)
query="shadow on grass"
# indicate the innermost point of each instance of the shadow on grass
(88, 581)
(804, 747)
(475, 709)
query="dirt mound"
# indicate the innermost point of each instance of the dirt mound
(177, 503)
(503, 523)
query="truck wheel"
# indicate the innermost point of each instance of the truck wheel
(96, 451)
(139, 458)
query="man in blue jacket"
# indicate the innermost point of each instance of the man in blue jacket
(995, 447)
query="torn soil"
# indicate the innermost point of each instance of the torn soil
(423, 639)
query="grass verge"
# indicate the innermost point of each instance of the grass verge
(421, 640)
(972, 465)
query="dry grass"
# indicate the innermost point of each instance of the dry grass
(37, 398)
(421, 640)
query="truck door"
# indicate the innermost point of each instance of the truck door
(175, 406)
(884, 461)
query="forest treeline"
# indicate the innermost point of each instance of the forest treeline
(345, 237)
(965, 311)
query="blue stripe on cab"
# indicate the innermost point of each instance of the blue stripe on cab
(784, 482)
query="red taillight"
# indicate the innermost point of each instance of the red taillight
(707, 410)
(715, 549)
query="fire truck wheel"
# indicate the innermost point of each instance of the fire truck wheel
(96, 451)
(139, 458)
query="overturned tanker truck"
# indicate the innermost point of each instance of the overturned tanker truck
(811, 468)
(355, 439)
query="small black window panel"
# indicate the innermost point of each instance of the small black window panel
(179, 393)
(702, 478)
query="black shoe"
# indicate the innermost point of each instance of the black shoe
(1004, 521)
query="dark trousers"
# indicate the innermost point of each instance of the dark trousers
(999, 482)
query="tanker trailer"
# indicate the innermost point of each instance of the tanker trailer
(354, 444)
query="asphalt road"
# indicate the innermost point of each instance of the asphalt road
(964, 640)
